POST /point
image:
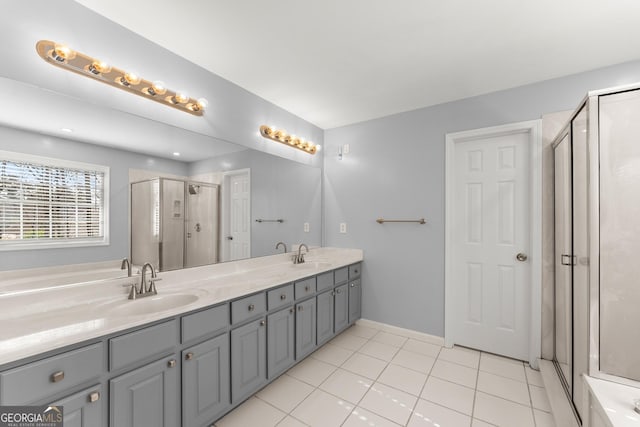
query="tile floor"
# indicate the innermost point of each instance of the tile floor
(366, 377)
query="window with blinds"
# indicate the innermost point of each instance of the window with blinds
(45, 201)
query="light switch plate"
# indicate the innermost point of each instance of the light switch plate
(306, 227)
(343, 227)
(345, 150)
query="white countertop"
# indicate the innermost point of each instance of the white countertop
(614, 402)
(39, 315)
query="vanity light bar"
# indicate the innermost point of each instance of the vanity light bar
(64, 57)
(283, 137)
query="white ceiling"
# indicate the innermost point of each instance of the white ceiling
(336, 62)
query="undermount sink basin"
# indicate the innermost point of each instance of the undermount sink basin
(153, 304)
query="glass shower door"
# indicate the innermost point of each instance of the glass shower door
(563, 262)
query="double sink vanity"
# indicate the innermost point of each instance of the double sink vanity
(210, 338)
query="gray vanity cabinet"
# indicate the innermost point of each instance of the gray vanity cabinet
(341, 308)
(355, 300)
(305, 328)
(83, 409)
(280, 341)
(249, 359)
(205, 381)
(146, 397)
(324, 302)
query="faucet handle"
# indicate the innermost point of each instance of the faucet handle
(133, 293)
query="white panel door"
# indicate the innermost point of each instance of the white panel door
(239, 217)
(490, 233)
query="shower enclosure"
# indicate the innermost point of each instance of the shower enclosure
(597, 234)
(174, 223)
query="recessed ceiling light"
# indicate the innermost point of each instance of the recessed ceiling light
(68, 130)
(176, 154)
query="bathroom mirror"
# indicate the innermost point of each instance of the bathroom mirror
(279, 188)
(54, 113)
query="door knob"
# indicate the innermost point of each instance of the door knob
(521, 257)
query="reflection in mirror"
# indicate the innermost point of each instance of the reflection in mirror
(256, 201)
(276, 188)
(174, 224)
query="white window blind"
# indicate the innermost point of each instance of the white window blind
(45, 202)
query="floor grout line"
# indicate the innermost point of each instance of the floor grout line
(387, 364)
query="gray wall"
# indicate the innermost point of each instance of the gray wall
(279, 189)
(119, 163)
(396, 170)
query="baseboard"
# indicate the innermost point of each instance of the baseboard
(560, 406)
(409, 333)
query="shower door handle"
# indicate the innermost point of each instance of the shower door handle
(229, 237)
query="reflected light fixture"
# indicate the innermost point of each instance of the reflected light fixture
(281, 136)
(64, 57)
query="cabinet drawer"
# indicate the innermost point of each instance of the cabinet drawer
(306, 287)
(341, 275)
(354, 270)
(324, 281)
(248, 307)
(152, 342)
(203, 323)
(279, 297)
(35, 381)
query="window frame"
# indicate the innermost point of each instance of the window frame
(19, 244)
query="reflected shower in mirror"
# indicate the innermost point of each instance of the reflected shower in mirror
(174, 224)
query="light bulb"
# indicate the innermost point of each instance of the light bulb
(131, 79)
(62, 53)
(181, 98)
(202, 103)
(157, 88)
(318, 147)
(99, 67)
(266, 130)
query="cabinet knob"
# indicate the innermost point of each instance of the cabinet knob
(291, 310)
(300, 308)
(56, 377)
(262, 323)
(188, 356)
(172, 363)
(338, 291)
(251, 307)
(353, 285)
(333, 293)
(94, 397)
(306, 288)
(283, 297)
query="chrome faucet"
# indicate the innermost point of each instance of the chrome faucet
(283, 245)
(299, 258)
(126, 264)
(145, 290)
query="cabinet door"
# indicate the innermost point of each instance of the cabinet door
(280, 341)
(248, 359)
(305, 328)
(355, 300)
(205, 381)
(341, 308)
(325, 317)
(147, 396)
(83, 409)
